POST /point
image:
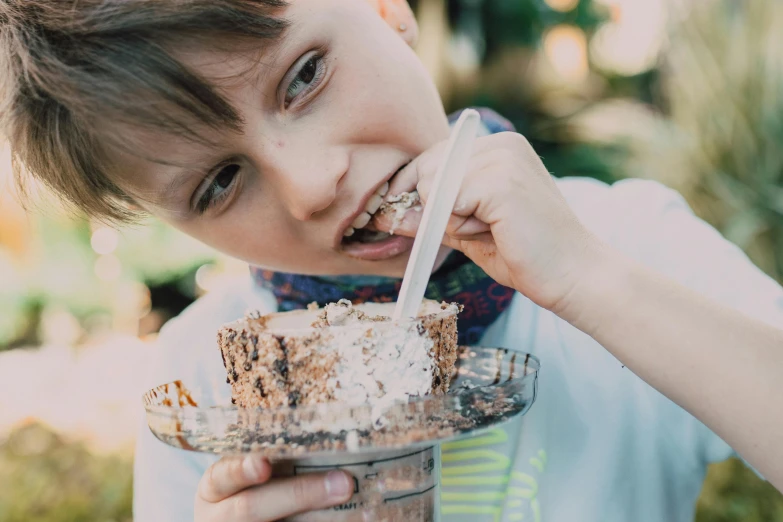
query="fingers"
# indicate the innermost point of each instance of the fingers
(493, 173)
(459, 227)
(421, 167)
(405, 226)
(419, 176)
(231, 475)
(464, 228)
(286, 497)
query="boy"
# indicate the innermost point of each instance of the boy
(265, 130)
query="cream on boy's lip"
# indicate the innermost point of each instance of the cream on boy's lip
(349, 221)
(386, 249)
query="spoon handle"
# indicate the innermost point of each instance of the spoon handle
(437, 211)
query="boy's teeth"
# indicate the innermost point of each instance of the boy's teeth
(374, 204)
(371, 208)
(361, 221)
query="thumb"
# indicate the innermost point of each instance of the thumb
(398, 220)
(421, 168)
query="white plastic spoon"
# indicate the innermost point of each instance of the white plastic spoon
(437, 211)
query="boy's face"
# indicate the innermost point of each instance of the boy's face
(330, 113)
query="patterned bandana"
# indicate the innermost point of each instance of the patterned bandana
(458, 280)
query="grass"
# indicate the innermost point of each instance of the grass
(44, 478)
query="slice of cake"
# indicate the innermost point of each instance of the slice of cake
(346, 353)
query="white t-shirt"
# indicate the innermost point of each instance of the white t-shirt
(599, 445)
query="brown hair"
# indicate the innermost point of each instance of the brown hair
(68, 65)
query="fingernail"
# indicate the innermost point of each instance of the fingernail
(250, 466)
(337, 484)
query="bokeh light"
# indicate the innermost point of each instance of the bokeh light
(565, 47)
(562, 5)
(205, 277)
(631, 41)
(59, 327)
(104, 240)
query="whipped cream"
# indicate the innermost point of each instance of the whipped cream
(387, 361)
(398, 206)
(380, 361)
(341, 313)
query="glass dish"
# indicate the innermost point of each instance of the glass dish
(394, 455)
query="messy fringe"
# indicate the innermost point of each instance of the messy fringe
(71, 67)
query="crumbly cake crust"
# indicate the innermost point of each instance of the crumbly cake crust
(274, 367)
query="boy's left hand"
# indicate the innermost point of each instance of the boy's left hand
(510, 218)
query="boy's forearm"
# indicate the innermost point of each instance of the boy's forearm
(722, 367)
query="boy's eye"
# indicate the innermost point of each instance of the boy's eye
(218, 188)
(307, 78)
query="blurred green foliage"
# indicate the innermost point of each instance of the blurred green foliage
(60, 274)
(733, 493)
(44, 478)
(720, 96)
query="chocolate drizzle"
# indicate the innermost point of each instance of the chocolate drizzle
(223, 356)
(511, 366)
(260, 385)
(281, 367)
(499, 357)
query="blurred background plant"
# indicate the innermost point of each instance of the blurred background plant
(688, 92)
(714, 126)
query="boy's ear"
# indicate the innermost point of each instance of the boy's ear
(399, 16)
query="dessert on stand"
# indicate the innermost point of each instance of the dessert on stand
(373, 389)
(395, 463)
(351, 354)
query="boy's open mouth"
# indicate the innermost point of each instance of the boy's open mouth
(366, 235)
(362, 230)
(363, 240)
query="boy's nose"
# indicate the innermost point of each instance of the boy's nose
(304, 203)
(310, 182)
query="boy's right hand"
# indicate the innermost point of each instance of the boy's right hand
(239, 489)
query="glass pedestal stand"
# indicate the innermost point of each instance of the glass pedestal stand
(394, 458)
